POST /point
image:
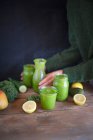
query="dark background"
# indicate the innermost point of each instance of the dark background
(29, 30)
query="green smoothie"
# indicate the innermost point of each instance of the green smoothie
(62, 85)
(28, 71)
(39, 73)
(48, 97)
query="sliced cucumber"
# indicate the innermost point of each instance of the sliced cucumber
(22, 88)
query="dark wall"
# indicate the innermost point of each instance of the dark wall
(30, 30)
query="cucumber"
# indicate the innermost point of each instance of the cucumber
(22, 88)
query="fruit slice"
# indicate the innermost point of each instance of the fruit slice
(3, 100)
(23, 89)
(77, 85)
(29, 106)
(79, 99)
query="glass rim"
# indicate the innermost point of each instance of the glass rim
(61, 76)
(51, 88)
(40, 60)
(49, 94)
(29, 66)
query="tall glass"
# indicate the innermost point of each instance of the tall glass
(39, 73)
(28, 71)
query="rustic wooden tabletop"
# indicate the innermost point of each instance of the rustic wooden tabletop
(66, 122)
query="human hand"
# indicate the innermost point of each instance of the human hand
(48, 80)
(21, 76)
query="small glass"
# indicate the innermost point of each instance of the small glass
(48, 97)
(28, 71)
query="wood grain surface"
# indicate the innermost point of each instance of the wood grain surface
(66, 122)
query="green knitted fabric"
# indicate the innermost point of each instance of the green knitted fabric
(80, 23)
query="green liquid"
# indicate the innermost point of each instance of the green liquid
(62, 85)
(28, 75)
(39, 73)
(48, 98)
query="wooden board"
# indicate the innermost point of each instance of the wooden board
(66, 122)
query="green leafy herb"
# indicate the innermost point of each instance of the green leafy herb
(34, 98)
(16, 83)
(10, 87)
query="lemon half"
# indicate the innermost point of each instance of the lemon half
(29, 106)
(79, 99)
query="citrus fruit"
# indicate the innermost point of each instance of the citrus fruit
(79, 99)
(22, 88)
(29, 106)
(74, 91)
(3, 100)
(77, 85)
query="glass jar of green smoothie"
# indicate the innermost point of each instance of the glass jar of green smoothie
(62, 85)
(39, 73)
(48, 97)
(28, 71)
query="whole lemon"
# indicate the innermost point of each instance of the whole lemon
(77, 85)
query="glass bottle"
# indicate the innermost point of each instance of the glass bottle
(62, 85)
(39, 73)
(28, 71)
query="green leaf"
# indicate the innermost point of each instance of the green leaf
(11, 88)
(34, 98)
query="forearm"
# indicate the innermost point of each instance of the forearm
(82, 72)
(64, 59)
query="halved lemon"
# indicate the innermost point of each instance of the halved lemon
(77, 85)
(79, 99)
(29, 106)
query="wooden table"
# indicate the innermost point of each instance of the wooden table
(66, 122)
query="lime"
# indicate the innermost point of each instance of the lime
(29, 106)
(79, 99)
(23, 89)
(77, 85)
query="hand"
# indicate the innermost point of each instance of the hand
(21, 76)
(48, 80)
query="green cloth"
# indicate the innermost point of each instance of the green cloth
(77, 61)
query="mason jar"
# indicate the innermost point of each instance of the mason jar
(28, 71)
(61, 83)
